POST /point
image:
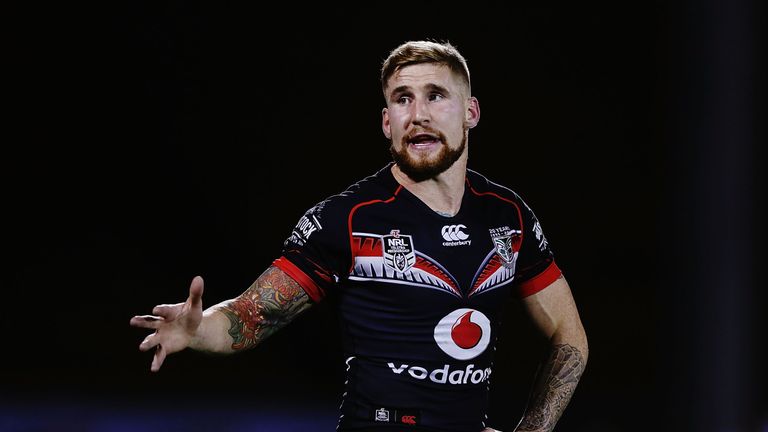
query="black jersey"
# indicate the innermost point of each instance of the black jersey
(420, 295)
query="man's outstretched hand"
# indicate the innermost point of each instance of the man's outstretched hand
(175, 324)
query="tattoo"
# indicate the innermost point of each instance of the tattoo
(265, 307)
(554, 387)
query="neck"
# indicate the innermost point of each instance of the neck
(442, 193)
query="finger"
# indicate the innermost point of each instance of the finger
(164, 310)
(196, 292)
(147, 321)
(149, 342)
(158, 359)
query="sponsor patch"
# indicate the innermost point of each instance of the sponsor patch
(405, 416)
(307, 225)
(463, 334)
(444, 375)
(454, 235)
(539, 233)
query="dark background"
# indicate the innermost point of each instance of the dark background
(150, 143)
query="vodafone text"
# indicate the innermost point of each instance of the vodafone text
(445, 375)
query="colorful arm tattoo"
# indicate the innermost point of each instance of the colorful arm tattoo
(554, 387)
(265, 307)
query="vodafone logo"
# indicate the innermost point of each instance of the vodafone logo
(463, 334)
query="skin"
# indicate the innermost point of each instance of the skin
(428, 97)
(270, 303)
(422, 99)
(554, 313)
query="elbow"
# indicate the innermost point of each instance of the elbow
(574, 336)
(581, 342)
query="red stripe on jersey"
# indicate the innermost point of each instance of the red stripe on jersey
(541, 281)
(493, 264)
(434, 270)
(307, 284)
(352, 213)
(366, 246)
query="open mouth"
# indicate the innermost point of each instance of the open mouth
(424, 140)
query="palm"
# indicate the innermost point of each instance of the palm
(174, 324)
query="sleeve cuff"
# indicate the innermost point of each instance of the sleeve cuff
(539, 282)
(307, 284)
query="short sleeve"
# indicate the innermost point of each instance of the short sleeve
(536, 268)
(316, 251)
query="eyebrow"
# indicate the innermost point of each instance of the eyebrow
(430, 87)
(438, 88)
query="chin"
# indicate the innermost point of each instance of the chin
(423, 165)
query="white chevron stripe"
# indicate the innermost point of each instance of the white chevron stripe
(369, 268)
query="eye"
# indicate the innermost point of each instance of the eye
(434, 97)
(402, 100)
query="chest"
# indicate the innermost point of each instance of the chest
(466, 256)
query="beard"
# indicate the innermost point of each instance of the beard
(420, 169)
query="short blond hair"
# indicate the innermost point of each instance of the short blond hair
(416, 52)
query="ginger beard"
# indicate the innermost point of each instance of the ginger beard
(420, 168)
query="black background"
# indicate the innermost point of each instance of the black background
(154, 142)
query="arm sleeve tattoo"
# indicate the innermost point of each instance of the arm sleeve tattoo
(265, 307)
(553, 389)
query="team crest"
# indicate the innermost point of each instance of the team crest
(507, 243)
(398, 251)
(503, 246)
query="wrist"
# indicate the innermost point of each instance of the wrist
(200, 340)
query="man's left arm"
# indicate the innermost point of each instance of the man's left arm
(554, 312)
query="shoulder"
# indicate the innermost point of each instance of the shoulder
(379, 186)
(481, 185)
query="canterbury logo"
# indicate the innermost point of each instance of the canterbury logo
(454, 232)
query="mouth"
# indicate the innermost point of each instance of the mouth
(424, 140)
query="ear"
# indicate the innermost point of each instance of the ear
(472, 114)
(385, 126)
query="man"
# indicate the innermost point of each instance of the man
(421, 257)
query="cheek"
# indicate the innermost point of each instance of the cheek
(398, 118)
(397, 124)
(455, 112)
(448, 114)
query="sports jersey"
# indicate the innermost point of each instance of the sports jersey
(420, 295)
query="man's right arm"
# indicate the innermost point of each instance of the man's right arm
(270, 303)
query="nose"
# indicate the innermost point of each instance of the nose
(420, 112)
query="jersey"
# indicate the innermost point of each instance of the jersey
(420, 295)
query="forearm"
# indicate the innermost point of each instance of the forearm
(213, 336)
(554, 385)
(243, 322)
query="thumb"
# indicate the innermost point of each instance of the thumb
(196, 292)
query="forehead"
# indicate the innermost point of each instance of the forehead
(424, 74)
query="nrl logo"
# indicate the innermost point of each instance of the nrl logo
(398, 251)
